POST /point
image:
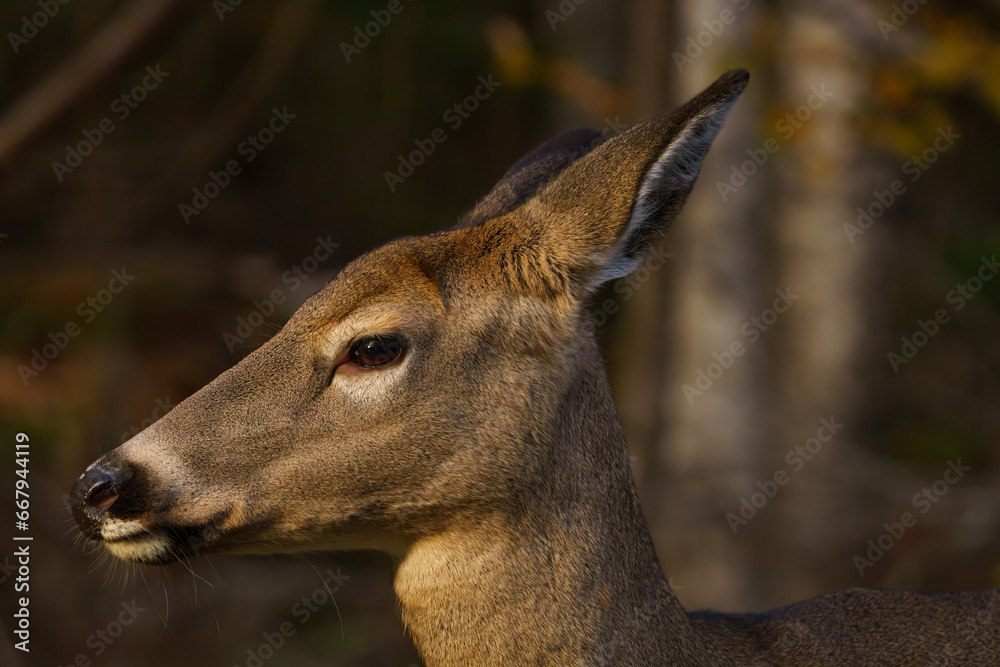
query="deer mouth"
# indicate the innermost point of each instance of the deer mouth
(133, 542)
(147, 548)
(139, 520)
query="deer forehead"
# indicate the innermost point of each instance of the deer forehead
(380, 292)
(469, 280)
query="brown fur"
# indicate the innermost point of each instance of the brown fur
(489, 460)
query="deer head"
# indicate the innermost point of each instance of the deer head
(437, 380)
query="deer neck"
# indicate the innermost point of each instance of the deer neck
(568, 578)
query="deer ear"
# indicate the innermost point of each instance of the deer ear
(607, 208)
(532, 172)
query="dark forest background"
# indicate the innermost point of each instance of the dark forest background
(856, 180)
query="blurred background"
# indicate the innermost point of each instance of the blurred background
(168, 168)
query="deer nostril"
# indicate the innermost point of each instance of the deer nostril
(94, 492)
(102, 495)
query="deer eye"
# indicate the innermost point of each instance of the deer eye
(377, 351)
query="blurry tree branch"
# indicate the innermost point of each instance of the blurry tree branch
(106, 50)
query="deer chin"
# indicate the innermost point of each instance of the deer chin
(135, 541)
(148, 549)
(229, 532)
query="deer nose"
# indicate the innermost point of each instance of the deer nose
(93, 493)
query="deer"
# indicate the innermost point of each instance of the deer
(444, 400)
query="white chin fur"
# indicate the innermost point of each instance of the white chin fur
(146, 548)
(116, 529)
